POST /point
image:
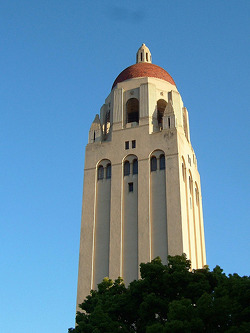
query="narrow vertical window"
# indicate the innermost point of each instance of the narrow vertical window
(168, 122)
(132, 109)
(162, 162)
(135, 167)
(126, 144)
(190, 185)
(161, 106)
(153, 163)
(133, 143)
(141, 56)
(183, 172)
(126, 168)
(146, 56)
(197, 196)
(100, 174)
(130, 187)
(108, 171)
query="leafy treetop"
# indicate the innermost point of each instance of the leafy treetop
(168, 298)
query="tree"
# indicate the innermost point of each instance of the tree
(168, 298)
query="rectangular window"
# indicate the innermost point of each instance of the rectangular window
(126, 144)
(130, 187)
(133, 143)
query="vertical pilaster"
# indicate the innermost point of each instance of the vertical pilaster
(144, 233)
(175, 243)
(87, 236)
(144, 100)
(115, 258)
(118, 106)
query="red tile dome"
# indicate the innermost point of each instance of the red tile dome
(143, 69)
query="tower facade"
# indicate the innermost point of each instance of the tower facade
(142, 192)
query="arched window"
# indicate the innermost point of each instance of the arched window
(153, 163)
(100, 174)
(135, 167)
(107, 123)
(126, 168)
(108, 171)
(161, 106)
(162, 162)
(132, 108)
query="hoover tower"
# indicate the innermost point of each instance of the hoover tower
(142, 191)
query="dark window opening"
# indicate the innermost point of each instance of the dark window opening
(133, 143)
(141, 56)
(94, 136)
(108, 116)
(130, 187)
(190, 185)
(197, 196)
(162, 162)
(168, 122)
(135, 167)
(108, 175)
(161, 106)
(132, 108)
(100, 174)
(183, 172)
(126, 168)
(153, 163)
(107, 123)
(126, 144)
(146, 56)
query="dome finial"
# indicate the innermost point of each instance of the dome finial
(143, 54)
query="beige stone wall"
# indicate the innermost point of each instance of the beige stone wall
(130, 225)
(158, 210)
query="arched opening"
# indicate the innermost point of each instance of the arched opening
(162, 162)
(100, 174)
(135, 167)
(126, 168)
(153, 163)
(132, 109)
(107, 123)
(161, 106)
(108, 171)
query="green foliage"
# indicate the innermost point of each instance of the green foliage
(168, 298)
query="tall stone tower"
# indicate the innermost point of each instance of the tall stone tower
(142, 192)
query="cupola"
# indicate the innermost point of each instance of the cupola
(143, 55)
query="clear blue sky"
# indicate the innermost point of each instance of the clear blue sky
(58, 62)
